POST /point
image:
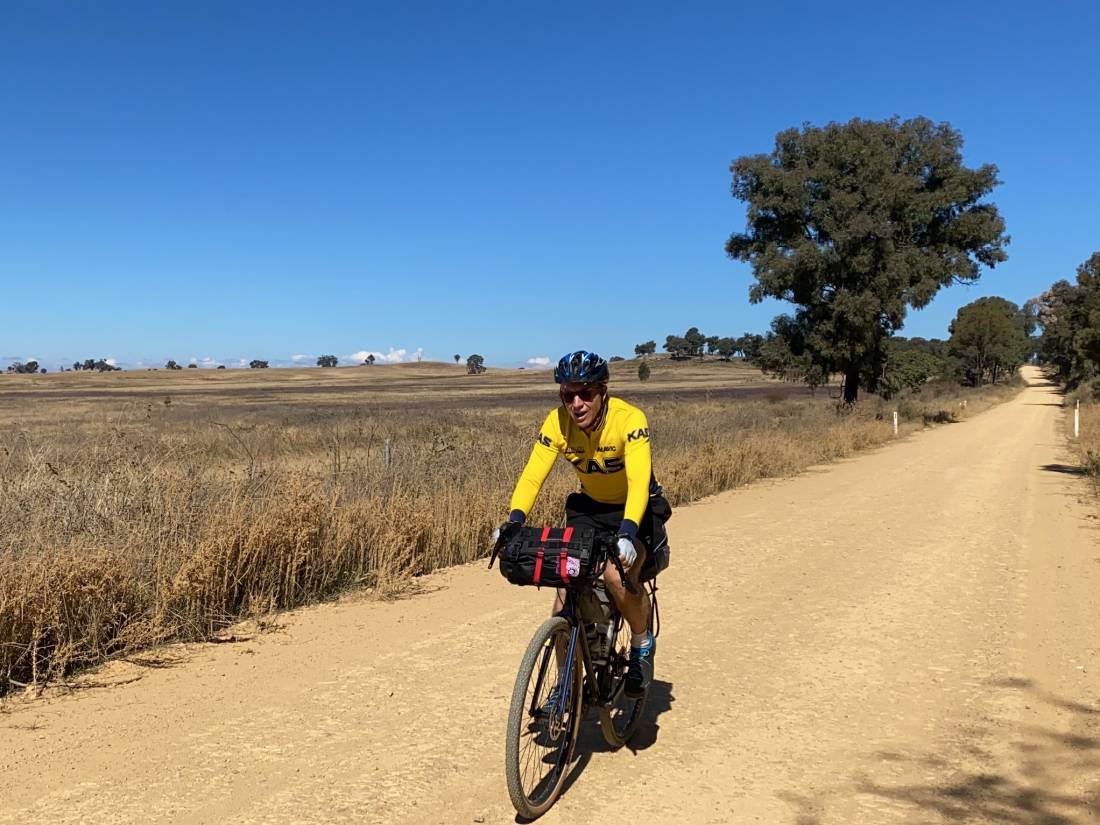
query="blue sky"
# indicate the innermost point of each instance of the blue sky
(236, 180)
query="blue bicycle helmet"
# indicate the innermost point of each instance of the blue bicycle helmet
(581, 367)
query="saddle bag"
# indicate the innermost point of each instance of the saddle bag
(551, 556)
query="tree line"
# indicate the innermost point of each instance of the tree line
(1068, 316)
(475, 364)
(694, 344)
(22, 369)
(989, 339)
(95, 365)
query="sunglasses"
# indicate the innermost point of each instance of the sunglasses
(586, 394)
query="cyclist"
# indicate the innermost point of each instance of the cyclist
(607, 442)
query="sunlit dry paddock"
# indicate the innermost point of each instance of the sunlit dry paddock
(142, 507)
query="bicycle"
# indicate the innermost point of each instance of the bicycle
(575, 661)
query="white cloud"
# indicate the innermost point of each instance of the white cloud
(394, 356)
(301, 359)
(539, 361)
(111, 361)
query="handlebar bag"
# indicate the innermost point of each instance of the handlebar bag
(551, 556)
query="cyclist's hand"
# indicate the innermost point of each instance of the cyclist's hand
(628, 554)
(505, 532)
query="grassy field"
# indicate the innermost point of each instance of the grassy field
(1087, 445)
(144, 507)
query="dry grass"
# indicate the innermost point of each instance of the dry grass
(1087, 446)
(151, 507)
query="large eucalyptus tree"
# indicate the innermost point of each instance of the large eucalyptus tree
(855, 223)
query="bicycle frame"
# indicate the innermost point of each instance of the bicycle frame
(578, 640)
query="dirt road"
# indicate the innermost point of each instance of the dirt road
(909, 636)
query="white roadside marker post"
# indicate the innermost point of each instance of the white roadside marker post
(895, 422)
(1077, 420)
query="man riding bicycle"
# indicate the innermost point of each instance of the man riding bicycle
(607, 442)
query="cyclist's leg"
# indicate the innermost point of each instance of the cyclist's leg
(559, 601)
(633, 606)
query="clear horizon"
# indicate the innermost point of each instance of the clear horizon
(263, 181)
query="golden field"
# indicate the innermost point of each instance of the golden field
(1087, 445)
(143, 507)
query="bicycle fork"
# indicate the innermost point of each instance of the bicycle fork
(576, 652)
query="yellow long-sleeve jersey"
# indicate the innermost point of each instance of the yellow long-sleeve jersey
(613, 463)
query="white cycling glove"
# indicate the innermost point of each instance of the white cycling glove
(509, 528)
(627, 552)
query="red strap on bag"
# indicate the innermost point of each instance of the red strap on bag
(563, 556)
(541, 552)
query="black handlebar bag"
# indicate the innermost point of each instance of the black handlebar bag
(551, 556)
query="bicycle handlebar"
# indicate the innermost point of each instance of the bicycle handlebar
(605, 539)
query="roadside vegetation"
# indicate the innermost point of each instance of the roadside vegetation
(1068, 315)
(135, 524)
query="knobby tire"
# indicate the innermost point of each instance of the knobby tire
(532, 745)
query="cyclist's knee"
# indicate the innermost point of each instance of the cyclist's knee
(611, 577)
(559, 602)
(611, 573)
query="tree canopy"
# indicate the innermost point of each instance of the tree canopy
(910, 364)
(99, 365)
(784, 354)
(1069, 317)
(689, 345)
(855, 223)
(20, 367)
(475, 364)
(989, 339)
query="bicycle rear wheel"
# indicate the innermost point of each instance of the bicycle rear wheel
(541, 734)
(621, 718)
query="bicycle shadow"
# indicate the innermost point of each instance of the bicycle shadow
(591, 741)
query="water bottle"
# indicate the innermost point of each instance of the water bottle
(599, 640)
(603, 643)
(592, 632)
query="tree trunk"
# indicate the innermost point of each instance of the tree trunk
(851, 385)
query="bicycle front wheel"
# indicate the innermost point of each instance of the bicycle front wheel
(543, 720)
